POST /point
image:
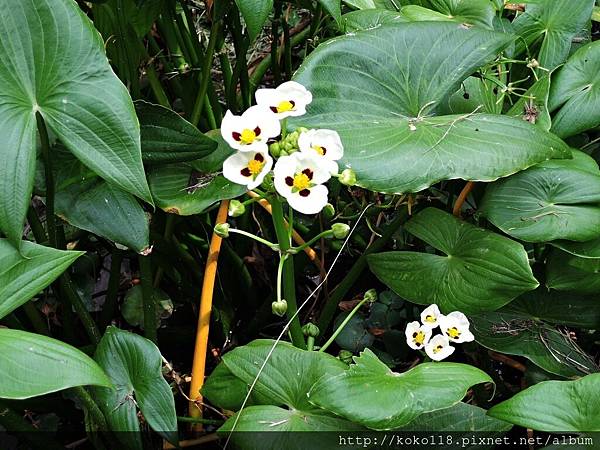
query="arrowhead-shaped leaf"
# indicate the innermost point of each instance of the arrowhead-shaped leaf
(23, 274)
(255, 14)
(481, 271)
(377, 88)
(134, 365)
(370, 394)
(567, 272)
(553, 200)
(561, 406)
(32, 365)
(53, 63)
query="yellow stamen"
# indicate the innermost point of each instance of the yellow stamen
(438, 349)
(453, 332)
(301, 181)
(255, 166)
(419, 337)
(430, 318)
(247, 136)
(320, 150)
(285, 106)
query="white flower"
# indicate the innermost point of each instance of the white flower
(417, 335)
(249, 168)
(326, 145)
(439, 348)
(456, 326)
(288, 99)
(251, 130)
(430, 316)
(299, 179)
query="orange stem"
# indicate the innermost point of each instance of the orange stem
(462, 197)
(201, 346)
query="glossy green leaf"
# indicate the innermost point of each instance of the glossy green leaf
(370, 394)
(533, 105)
(24, 274)
(475, 94)
(555, 406)
(370, 18)
(521, 334)
(272, 427)
(469, 12)
(377, 88)
(255, 14)
(392, 5)
(545, 23)
(32, 365)
(460, 417)
(481, 271)
(288, 375)
(567, 272)
(553, 200)
(334, 8)
(587, 249)
(134, 365)
(169, 138)
(53, 63)
(576, 91)
(190, 188)
(88, 202)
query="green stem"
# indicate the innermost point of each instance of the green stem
(37, 229)
(156, 86)
(69, 291)
(310, 343)
(215, 30)
(275, 69)
(91, 407)
(342, 325)
(169, 226)
(354, 274)
(150, 322)
(288, 282)
(282, 259)
(269, 244)
(240, 45)
(112, 292)
(287, 45)
(199, 420)
(45, 143)
(324, 234)
(35, 317)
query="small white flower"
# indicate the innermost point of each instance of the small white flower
(288, 99)
(325, 144)
(430, 316)
(251, 130)
(417, 335)
(299, 179)
(438, 347)
(456, 326)
(249, 168)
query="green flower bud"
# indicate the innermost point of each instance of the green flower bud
(279, 307)
(345, 356)
(222, 230)
(275, 149)
(236, 208)
(283, 152)
(340, 230)
(310, 330)
(300, 130)
(328, 211)
(289, 147)
(268, 182)
(348, 177)
(371, 296)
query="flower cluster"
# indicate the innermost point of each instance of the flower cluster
(454, 326)
(306, 158)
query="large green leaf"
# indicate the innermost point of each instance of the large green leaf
(370, 18)
(32, 365)
(576, 91)
(392, 5)
(334, 8)
(88, 202)
(469, 12)
(481, 271)
(521, 334)
(190, 188)
(545, 23)
(553, 200)
(23, 274)
(567, 272)
(255, 13)
(168, 137)
(587, 249)
(53, 63)
(378, 87)
(370, 394)
(134, 365)
(555, 406)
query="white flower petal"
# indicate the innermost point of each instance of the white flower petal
(456, 327)
(313, 203)
(285, 166)
(235, 167)
(430, 316)
(329, 140)
(257, 122)
(289, 95)
(414, 332)
(438, 348)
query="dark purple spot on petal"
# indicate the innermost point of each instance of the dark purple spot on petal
(274, 109)
(289, 181)
(257, 131)
(304, 193)
(259, 157)
(309, 173)
(246, 172)
(237, 136)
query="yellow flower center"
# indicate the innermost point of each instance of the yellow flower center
(301, 181)
(453, 332)
(255, 166)
(320, 150)
(285, 106)
(438, 348)
(430, 319)
(419, 337)
(247, 136)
